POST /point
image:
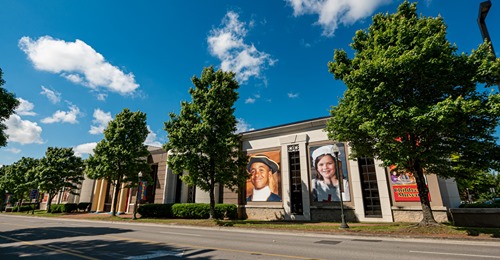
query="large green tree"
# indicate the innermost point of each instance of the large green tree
(121, 155)
(8, 103)
(19, 178)
(202, 139)
(412, 101)
(60, 170)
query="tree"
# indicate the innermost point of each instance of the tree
(202, 139)
(411, 101)
(8, 103)
(59, 171)
(121, 155)
(19, 178)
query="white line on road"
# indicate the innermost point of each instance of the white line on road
(182, 234)
(441, 253)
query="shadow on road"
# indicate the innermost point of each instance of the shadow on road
(80, 243)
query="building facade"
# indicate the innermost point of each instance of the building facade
(294, 186)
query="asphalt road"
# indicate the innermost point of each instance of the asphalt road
(49, 238)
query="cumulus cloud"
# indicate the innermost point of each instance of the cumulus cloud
(77, 62)
(101, 96)
(23, 131)
(227, 44)
(82, 149)
(151, 139)
(64, 116)
(293, 95)
(14, 150)
(242, 126)
(331, 13)
(249, 100)
(25, 108)
(101, 120)
(53, 96)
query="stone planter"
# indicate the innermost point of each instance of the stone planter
(476, 217)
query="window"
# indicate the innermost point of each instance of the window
(371, 198)
(295, 179)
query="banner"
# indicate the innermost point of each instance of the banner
(142, 193)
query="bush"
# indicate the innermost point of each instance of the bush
(187, 210)
(23, 208)
(66, 208)
(85, 206)
(480, 205)
(155, 210)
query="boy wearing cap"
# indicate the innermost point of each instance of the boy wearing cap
(262, 169)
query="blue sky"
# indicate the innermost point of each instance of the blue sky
(75, 64)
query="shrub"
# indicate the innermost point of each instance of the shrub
(155, 210)
(187, 210)
(23, 208)
(85, 206)
(66, 208)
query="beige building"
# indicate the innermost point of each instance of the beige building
(370, 192)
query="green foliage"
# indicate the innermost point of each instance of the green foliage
(155, 210)
(121, 155)
(20, 177)
(85, 206)
(187, 210)
(8, 104)
(64, 208)
(412, 101)
(59, 170)
(202, 139)
(23, 208)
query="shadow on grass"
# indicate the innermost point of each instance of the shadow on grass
(477, 231)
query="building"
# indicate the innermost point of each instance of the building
(371, 192)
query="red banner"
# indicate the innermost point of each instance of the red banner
(406, 193)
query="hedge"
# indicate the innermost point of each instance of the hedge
(66, 208)
(187, 210)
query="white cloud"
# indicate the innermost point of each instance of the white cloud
(23, 131)
(227, 44)
(64, 116)
(331, 13)
(151, 139)
(242, 126)
(77, 62)
(101, 120)
(53, 96)
(14, 150)
(249, 100)
(87, 148)
(101, 96)
(293, 95)
(25, 108)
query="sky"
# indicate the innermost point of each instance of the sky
(74, 65)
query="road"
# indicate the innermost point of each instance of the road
(50, 238)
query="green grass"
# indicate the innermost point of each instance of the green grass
(445, 230)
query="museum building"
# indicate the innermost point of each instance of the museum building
(300, 182)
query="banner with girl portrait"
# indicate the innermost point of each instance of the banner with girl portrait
(327, 185)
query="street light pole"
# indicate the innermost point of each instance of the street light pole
(484, 8)
(340, 177)
(139, 176)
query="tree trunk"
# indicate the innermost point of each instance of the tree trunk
(19, 205)
(423, 192)
(49, 203)
(212, 201)
(115, 197)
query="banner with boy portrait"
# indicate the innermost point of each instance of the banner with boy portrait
(264, 183)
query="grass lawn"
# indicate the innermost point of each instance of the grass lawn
(445, 230)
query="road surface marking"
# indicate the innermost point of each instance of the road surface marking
(441, 253)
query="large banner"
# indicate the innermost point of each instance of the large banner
(404, 186)
(264, 184)
(326, 186)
